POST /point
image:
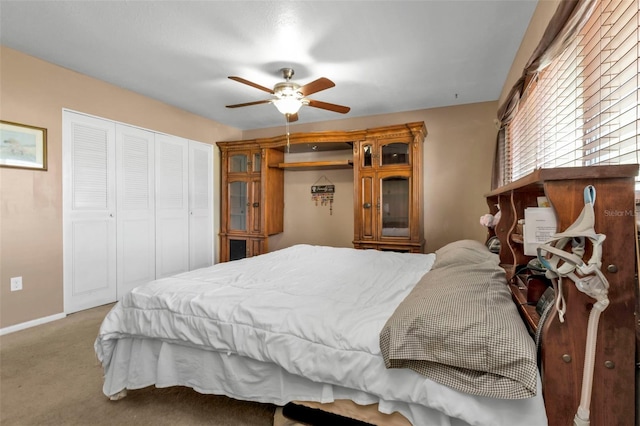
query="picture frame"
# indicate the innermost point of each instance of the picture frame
(23, 146)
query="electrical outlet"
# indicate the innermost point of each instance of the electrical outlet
(16, 283)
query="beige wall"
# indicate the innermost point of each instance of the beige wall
(538, 24)
(457, 156)
(35, 92)
(304, 221)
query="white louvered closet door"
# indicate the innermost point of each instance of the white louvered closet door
(136, 239)
(172, 205)
(137, 205)
(89, 204)
(200, 205)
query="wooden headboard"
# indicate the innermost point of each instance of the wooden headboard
(614, 391)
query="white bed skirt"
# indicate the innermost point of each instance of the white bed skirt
(139, 363)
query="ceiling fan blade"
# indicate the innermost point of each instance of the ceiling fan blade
(317, 85)
(252, 84)
(291, 117)
(331, 107)
(266, 101)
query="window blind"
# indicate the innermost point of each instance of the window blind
(582, 109)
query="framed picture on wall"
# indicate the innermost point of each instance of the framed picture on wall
(23, 146)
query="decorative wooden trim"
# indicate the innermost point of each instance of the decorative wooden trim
(415, 129)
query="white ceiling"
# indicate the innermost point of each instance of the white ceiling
(384, 56)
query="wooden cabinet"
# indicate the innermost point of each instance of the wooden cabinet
(252, 200)
(388, 206)
(243, 191)
(563, 344)
(387, 164)
(239, 247)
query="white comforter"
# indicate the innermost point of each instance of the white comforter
(315, 311)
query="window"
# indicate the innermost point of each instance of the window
(582, 109)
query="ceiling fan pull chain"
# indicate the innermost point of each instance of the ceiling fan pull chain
(286, 120)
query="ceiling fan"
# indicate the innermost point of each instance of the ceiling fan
(289, 97)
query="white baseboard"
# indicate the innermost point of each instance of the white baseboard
(32, 323)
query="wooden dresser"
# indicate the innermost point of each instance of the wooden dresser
(563, 344)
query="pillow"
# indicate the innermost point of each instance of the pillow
(460, 328)
(469, 251)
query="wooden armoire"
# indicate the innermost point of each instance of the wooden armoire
(388, 195)
(252, 198)
(387, 170)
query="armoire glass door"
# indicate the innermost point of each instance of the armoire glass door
(238, 200)
(245, 162)
(238, 163)
(394, 153)
(394, 204)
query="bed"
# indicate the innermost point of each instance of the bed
(434, 337)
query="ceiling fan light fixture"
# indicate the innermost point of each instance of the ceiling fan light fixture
(288, 104)
(289, 97)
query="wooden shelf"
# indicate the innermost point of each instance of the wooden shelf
(538, 176)
(517, 238)
(562, 345)
(528, 312)
(315, 165)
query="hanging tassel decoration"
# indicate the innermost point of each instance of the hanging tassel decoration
(323, 194)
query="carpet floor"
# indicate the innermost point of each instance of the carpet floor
(49, 375)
